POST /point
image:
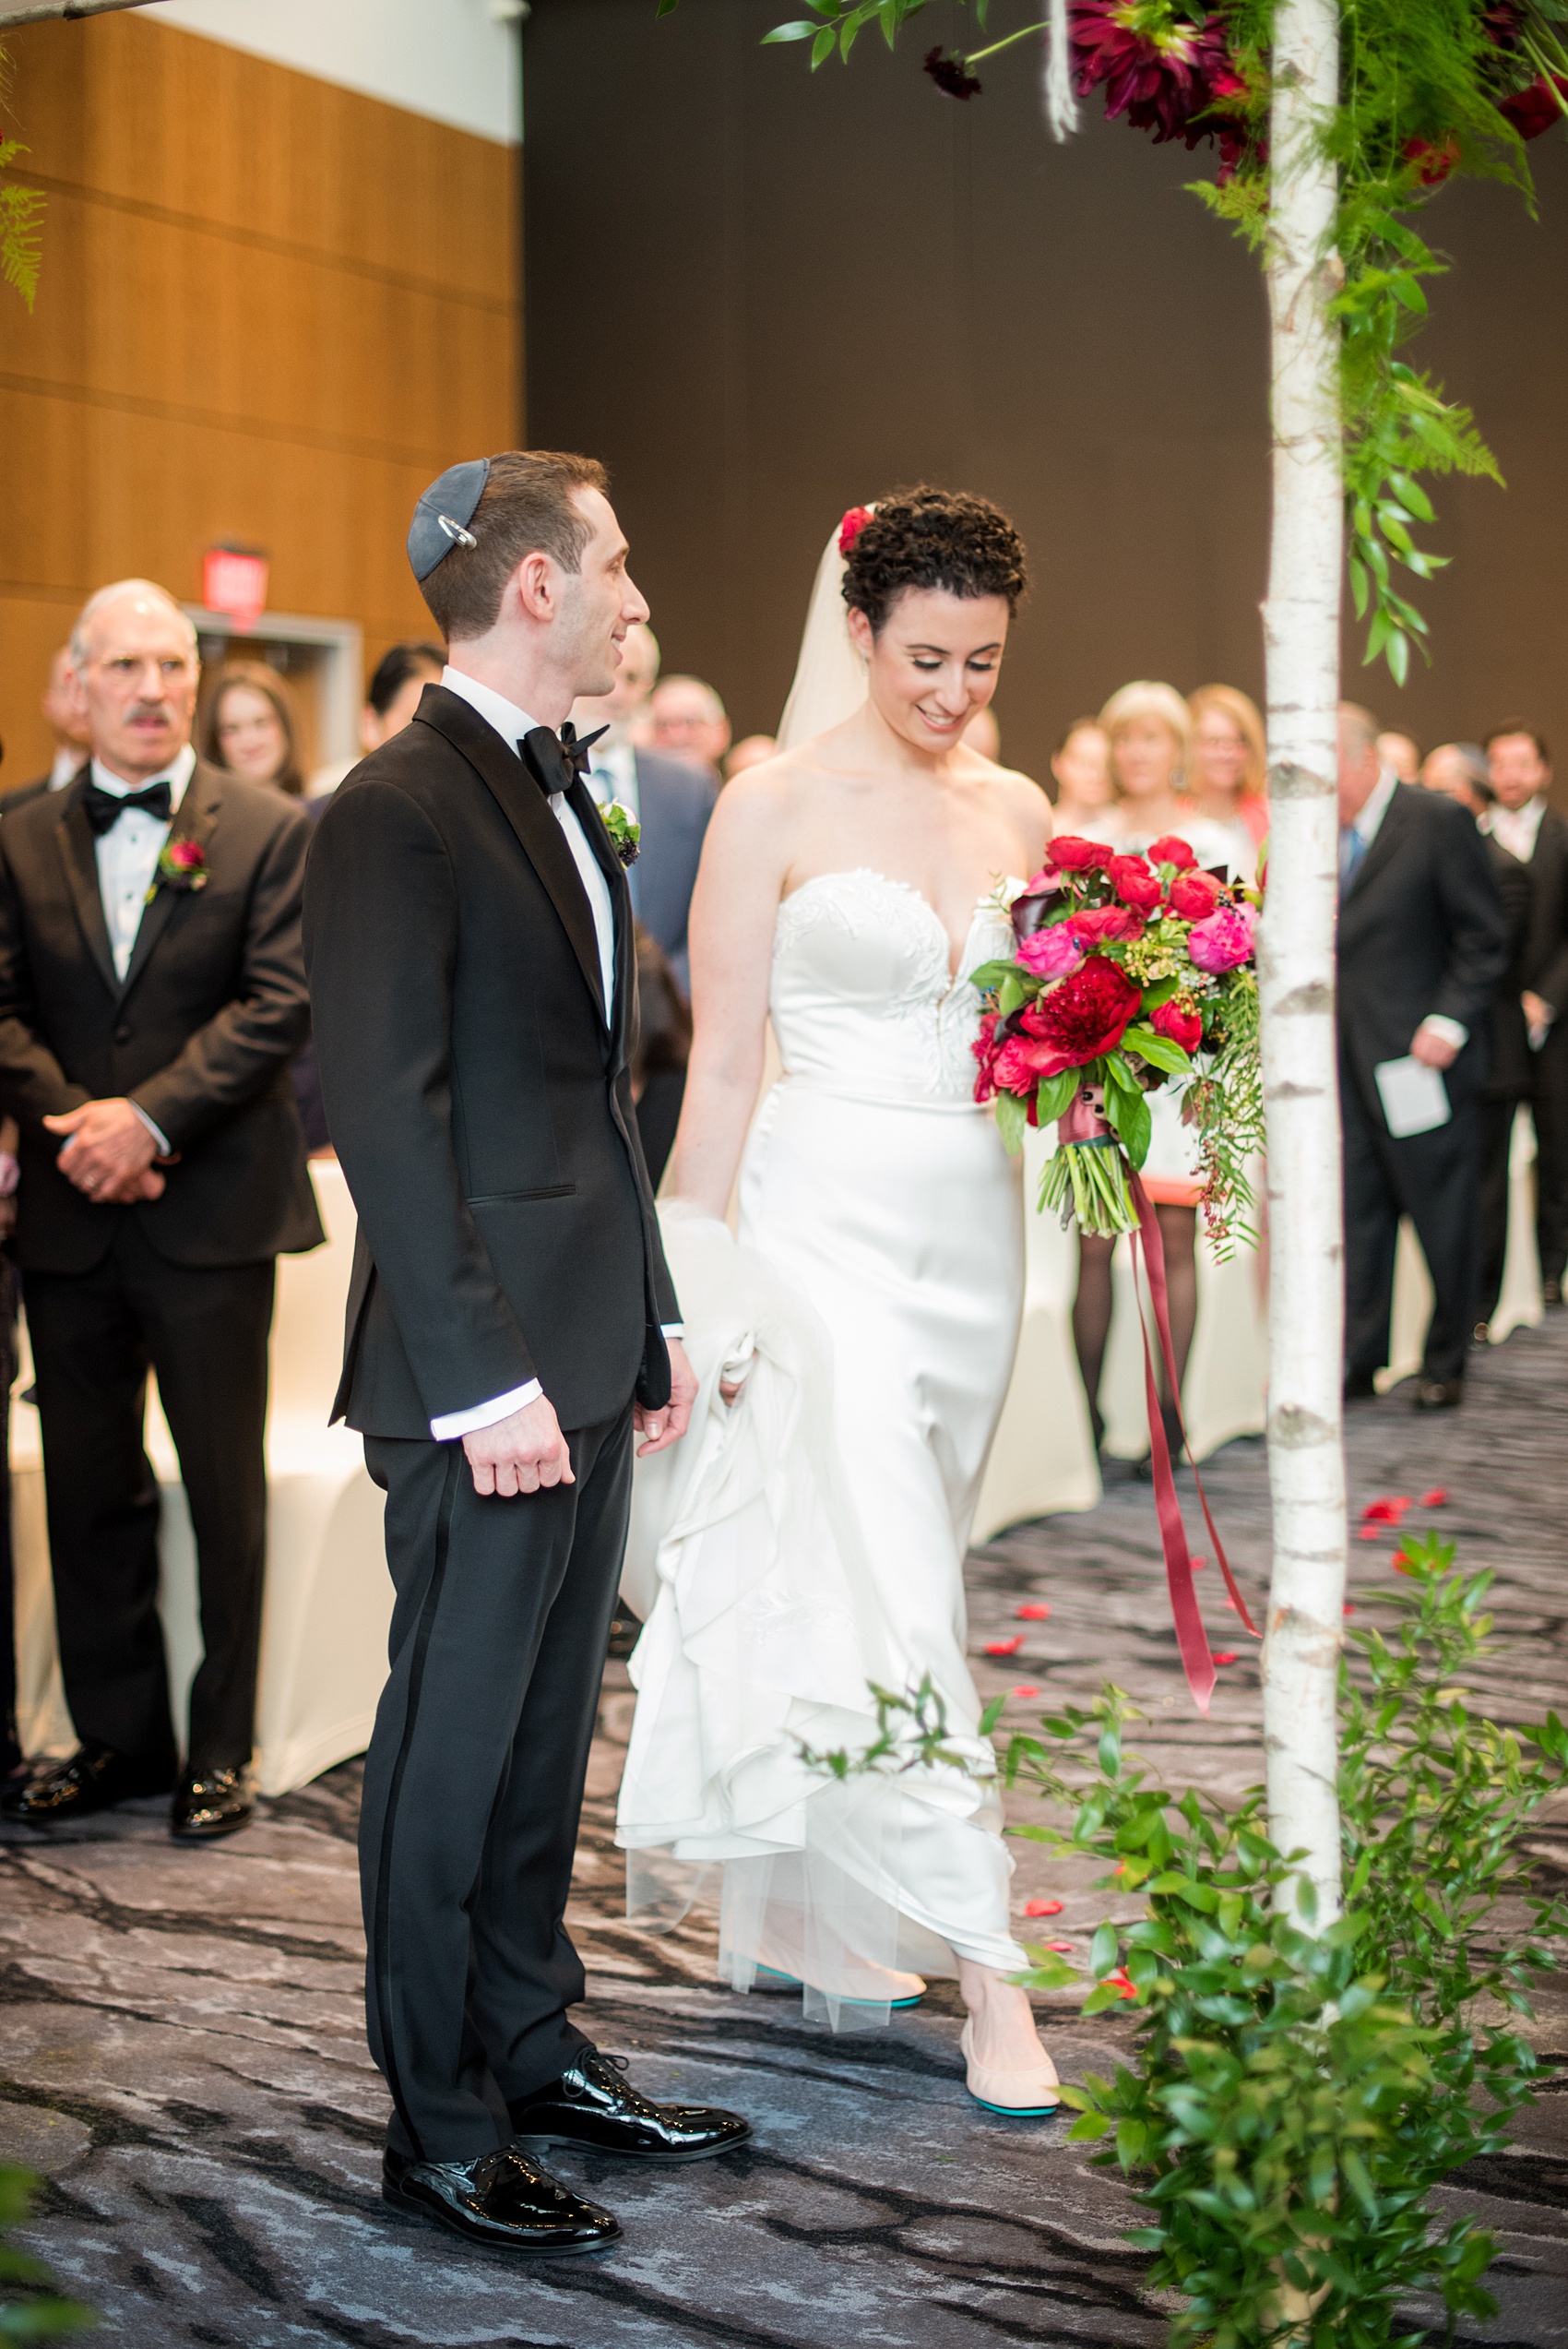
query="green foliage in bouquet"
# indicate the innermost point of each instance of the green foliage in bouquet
(39, 2314)
(1428, 89)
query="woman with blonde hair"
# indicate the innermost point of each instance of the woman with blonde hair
(1229, 771)
(251, 727)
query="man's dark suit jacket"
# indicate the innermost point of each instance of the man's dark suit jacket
(674, 802)
(24, 794)
(480, 1105)
(199, 1034)
(1508, 1062)
(1546, 957)
(1421, 934)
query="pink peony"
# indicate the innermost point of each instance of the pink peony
(1051, 953)
(1135, 882)
(1105, 925)
(1225, 941)
(1169, 850)
(1070, 854)
(1193, 895)
(1181, 1021)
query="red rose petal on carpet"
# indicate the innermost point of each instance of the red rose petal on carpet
(1004, 1647)
(1062, 1949)
(1436, 1498)
(1198, 1564)
(1349, 1608)
(1225, 1659)
(1033, 1611)
(1042, 1908)
(1025, 1688)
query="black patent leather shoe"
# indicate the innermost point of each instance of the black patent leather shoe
(503, 2201)
(218, 1803)
(593, 2109)
(92, 1779)
(1438, 1394)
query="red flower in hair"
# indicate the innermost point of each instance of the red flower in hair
(851, 526)
(1194, 895)
(1169, 850)
(1135, 882)
(1081, 1017)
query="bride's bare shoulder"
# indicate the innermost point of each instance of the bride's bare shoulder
(1018, 795)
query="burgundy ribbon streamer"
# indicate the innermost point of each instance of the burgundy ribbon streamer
(1192, 1639)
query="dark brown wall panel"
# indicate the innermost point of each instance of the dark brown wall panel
(764, 295)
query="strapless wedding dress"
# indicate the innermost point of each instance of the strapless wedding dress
(810, 1541)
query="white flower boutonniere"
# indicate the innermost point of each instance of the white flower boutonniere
(624, 829)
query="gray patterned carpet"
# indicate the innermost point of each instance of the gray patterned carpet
(180, 2050)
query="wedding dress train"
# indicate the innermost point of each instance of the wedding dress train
(808, 1541)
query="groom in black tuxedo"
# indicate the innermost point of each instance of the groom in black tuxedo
(511, 1321)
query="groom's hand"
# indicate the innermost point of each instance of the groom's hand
(520, 1452)
(667, 1425)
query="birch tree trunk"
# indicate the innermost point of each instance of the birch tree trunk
(1301, 1645)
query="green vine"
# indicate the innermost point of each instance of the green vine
(1429, 89)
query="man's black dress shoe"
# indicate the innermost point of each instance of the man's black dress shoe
(218, 1803)
(503, 2200)
(1438, 1394)
(93, 1779)
(593, 2109)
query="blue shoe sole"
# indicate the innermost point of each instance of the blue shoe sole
(1016, 2112)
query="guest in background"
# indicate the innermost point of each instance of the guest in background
(658, 1056)
(61, 715)
(1085, 796)
(1520, 822)
(146, 1025)
(686, 720)
(751, 750)
(1509, 1069)
(401, 675)
(671, 798)
(1230, 777)
(1458, 771)
(1423, 944)
(251, 727)
(1400, 754)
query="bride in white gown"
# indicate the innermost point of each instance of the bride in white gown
(858, 1333)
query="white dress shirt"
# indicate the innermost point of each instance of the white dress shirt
(127, 859)
(1366, 827)
(512, 724)
(613, 774)
(1515, 828)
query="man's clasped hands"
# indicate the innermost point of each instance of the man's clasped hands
(109, 1153)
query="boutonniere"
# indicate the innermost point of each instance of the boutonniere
(624, 829)
(182, 864)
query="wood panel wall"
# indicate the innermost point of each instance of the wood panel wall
(271, 310)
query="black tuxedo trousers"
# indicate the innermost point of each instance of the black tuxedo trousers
(474, 1780)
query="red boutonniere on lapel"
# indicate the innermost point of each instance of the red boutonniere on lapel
(182, 866)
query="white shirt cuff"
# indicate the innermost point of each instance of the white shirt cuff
(672, 1329)
(1448, 1031)
(157, 1135)
(455, 1423)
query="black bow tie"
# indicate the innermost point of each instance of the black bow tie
(103, 809)
(556, 760)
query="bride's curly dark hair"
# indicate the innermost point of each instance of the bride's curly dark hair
(932, 538)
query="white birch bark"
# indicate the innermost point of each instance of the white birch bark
(1296, 969)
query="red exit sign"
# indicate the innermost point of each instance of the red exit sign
(235, 583)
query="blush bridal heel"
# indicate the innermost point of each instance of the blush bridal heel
(1028, 2093)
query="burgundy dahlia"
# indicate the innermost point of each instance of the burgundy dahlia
(1160, 69)
(951, 74)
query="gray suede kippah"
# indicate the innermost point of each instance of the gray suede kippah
(442, 516)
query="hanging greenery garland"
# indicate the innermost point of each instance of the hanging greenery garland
(1429, 89)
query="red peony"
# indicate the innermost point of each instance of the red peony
(985, 1050)
(851, 526)
(1105, 925)
(1179, 1020)
(1169, 850)
(1084, 1016)
(1194, 895)
(1135, 882)
(1017, 1068)
(1070, 854)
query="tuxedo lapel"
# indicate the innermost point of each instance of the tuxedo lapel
(527, 812)
(585, 808)
(1385, 847)
(79, 853)
(193, 820)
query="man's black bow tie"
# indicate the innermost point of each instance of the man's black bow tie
(104, 809)
(556, 760)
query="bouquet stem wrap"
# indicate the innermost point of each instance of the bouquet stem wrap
(1088, 1177)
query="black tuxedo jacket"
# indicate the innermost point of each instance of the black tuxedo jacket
(24, 794)
(199, 1034)
(1508, 1065)
(1545, 955)
(480, 1105)
(1421, 933)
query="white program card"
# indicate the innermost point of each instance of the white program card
(1414, 1097)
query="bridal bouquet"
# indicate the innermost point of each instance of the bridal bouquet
(1129, 973)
